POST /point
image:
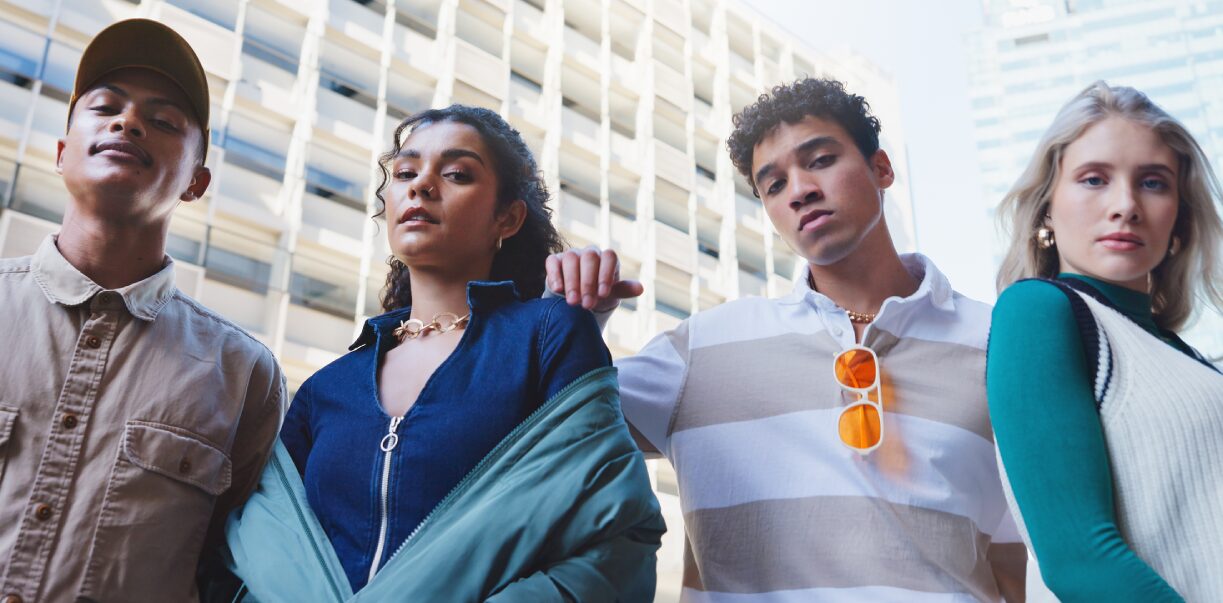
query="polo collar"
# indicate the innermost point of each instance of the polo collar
(934, 287)
(63, 284)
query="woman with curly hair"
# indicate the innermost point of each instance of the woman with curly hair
(1109, 426)
(470, 446)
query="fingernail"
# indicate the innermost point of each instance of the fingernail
(588, 301)
(572, 297)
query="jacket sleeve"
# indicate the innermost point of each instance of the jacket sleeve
(1052, 446)
(619, 529)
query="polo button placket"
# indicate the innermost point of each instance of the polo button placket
(60, 459)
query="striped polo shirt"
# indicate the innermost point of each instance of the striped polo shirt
(742, 400)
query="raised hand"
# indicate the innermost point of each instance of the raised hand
(590, 278)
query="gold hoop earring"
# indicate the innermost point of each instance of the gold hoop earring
(1044, 238)
(1174, 247)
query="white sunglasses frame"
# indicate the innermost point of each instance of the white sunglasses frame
(864, 398)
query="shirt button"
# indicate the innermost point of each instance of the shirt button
(11, 599)
(69, 421)
(184, 466)
(93, 342)
(836, 331)
(42, 512)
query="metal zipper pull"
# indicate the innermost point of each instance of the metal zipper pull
(391, 439)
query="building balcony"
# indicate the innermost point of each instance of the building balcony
(481, 70)
(344, 118)
(706, 196)
(332, 225)
(14, 103)
(269, 86)
(672, 86)
(416, 50)
(671, 15)
(673, 164)
(246, 308)
(625, 73)
(530, 20)
(317, 331)
(355, 21)
(664, 322)
(750, 213)
(526, 103)
(213, 44)
(673, 247)
(709, 270)
(579, 217)
(626, 236)
(625, 152)
(250, 196)
(624, 333)
(582, 51)
(580, 129)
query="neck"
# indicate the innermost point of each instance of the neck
(865, 278)
(109, 254)
(435, 291)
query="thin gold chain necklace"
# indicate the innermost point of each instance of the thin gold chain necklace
(862, 318)
(443, 322)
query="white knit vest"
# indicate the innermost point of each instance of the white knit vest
(1162, 414)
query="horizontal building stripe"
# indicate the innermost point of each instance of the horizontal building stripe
(922, 463)
(872, 594)
(837, 542)
(789, 373)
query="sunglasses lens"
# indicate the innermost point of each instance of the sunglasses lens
(855, 368)
(859, 426)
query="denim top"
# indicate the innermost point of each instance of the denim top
(513, 356)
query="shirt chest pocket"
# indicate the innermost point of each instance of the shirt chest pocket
(8, 420)
(158, 503)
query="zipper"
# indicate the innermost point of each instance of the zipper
(387, 445)
(497, 451)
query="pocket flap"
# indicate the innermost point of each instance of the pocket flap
(177, 454)
(8, 418)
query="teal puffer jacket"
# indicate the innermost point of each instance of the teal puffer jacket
(560, 510)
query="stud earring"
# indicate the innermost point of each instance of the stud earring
(1174, 246)
(1044, 238)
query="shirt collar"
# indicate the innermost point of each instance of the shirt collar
(482, 297)
(934, 287)
(63, 284)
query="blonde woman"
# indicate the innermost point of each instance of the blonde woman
(1109, 427)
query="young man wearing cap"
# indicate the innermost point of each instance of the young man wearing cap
(791, 491)
(131, 417)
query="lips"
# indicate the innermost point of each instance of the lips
(416, 214)
(123, 147)
(815, 215)
(1121, 241)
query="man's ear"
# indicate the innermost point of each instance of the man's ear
(512, 218)
(199, 184)
(59, 156)
(881, 164)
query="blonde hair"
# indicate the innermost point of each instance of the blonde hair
(1193, 272)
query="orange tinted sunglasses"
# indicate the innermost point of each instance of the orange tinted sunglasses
(860, 424)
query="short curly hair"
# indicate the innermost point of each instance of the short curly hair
(521, 257)
(790, 103)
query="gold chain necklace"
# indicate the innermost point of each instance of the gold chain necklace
(862, 318)
(443, 322)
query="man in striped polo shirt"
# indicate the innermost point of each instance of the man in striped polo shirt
(743, 401)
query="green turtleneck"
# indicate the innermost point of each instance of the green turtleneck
(1052, 444)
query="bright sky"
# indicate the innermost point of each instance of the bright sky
(924, 50)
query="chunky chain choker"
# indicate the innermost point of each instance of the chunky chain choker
(443, 322)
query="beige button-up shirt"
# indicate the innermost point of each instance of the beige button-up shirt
(131, 422)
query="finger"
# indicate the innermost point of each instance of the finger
(626, 289)
(590, 277)
(555, 279)
(570, 275)
(609, 267)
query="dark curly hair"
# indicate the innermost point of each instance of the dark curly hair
(790, 103)
(521, 258)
